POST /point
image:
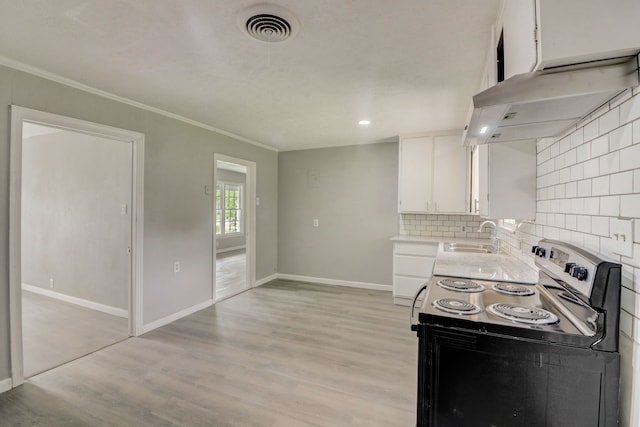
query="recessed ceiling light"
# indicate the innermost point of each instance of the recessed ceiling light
(364, 122)
(484, 129)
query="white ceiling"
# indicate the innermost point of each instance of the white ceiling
(407, 65)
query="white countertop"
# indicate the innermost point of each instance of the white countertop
(500, 267)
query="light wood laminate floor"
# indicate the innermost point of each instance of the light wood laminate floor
(231, 273)
(284, 354)
(56, 332)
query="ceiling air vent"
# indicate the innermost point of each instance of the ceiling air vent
(268, 23)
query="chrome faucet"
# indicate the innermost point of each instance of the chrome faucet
(487, 223)
(494, 238)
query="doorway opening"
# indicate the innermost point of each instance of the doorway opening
(234, 226)
(75, 239)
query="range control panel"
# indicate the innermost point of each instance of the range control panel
(566, 265)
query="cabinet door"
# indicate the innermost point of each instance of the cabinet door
(519, 23)
(415, 174)
(450, 175)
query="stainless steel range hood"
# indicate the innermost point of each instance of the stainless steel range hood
(547, 103)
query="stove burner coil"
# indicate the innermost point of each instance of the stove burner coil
(456, 306)
(513, 289)
(460, 285)
(523, 314)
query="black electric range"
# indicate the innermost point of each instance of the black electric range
(497, 353)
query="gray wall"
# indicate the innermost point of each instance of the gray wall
(73, 187)
(178, 215)
(352, 191)
(223, 243)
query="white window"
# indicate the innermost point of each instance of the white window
(229, 209)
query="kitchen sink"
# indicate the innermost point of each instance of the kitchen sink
(470, 247)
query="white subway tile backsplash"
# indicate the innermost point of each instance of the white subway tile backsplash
(591, 130)
(600, 186)
(630, 157)
(577, 138)
(600, 146)
(571, 222)
(591, 243)
(583, 152)
(570, 157)
(622, 183)
(627, 276)
(560, 190)
(584, 223)
(621, 137)
(592, 206)
(600, 225)
(630, 110)
(564, 175)
(571, 189)
(636, 181)
(584, 188)
(609, 121)
(577, 172)
(610, 206)
(610, 163)
(630, 206)
(592, 168)
(626, 323)
(636, 131)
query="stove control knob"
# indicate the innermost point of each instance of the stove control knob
(534, 249)
(541, 252)
(568, 266)
(579, 273)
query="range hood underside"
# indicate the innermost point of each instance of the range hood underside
(546, 103)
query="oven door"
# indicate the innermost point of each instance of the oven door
(468, 378)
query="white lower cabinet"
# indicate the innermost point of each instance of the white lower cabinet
(412, 268)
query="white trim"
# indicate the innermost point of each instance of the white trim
(250, 208)
(5, 385)
(334, 282)
(175, 316)
(114, 311)
(19, 115)
(16, 65)
(267, 279)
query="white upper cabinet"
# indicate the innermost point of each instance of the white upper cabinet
(505, 174)
(540, 34)
(433, 175)
(518, 32)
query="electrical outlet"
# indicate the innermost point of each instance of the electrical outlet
(51, 282)
(176, 267)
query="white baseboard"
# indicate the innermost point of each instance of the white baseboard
(175, 316)
(234, 248)
(5, 385)
(334, 282)
(266, 280)
(114, 311)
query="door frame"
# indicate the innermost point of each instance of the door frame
(20, 115)
(250, 205)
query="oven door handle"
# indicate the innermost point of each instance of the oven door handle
(414, 327)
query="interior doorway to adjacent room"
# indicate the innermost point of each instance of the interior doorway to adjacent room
(234, 225)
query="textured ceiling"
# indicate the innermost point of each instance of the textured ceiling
(407, 65)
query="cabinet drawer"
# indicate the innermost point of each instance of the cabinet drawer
(406, 265)
(407, 286)
(427, 249)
